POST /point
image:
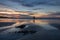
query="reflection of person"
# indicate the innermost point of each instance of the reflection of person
(34, 19)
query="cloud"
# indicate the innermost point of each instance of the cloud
(28, 3)
(2, 4)
(37, 8)
(55, 13)
(31, 3)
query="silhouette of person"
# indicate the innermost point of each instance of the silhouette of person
(34, 19)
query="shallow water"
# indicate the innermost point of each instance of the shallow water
(48, 27)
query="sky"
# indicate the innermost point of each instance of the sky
(32, 5)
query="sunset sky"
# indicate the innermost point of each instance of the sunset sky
(31, 5)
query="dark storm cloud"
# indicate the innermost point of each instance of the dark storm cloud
(31, 3)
